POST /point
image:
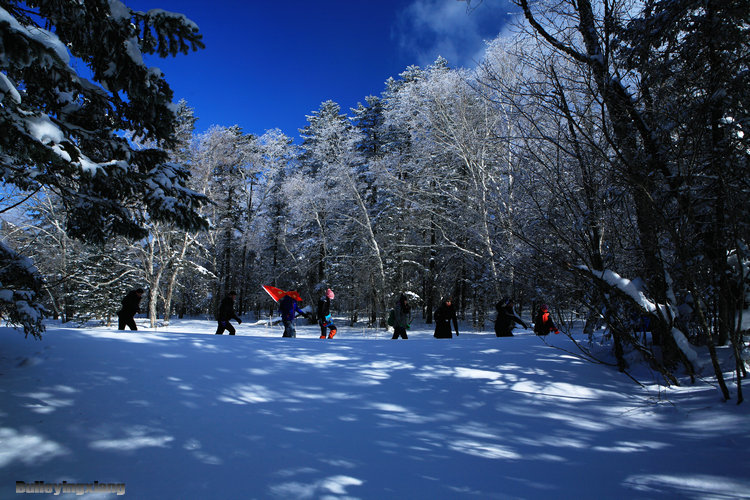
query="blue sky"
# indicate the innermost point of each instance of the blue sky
(268, 64)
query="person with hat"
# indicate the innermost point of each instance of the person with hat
(543, 322)
(443, 316)
(226, 312)
(506, 318)
(324, 315)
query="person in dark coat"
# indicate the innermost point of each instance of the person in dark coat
(288, 309)
(443, 317)
(506, 318)
(324, 315)
(226, 312)
(401, 318)
(130, 307)
(543, 322)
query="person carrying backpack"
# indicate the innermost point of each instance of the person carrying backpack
(324, 315)
(288, 309)
(130, 307)
(543, 323)
(401, 318)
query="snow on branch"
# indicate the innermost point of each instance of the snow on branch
(19, 290)
(633, 289)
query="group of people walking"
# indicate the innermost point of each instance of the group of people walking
(289, 309)
(507, 319)
(445, 316)
(446, 320)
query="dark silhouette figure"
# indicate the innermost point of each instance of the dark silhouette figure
(443, 316)
(226, 312)
(401, 318)
(506, 318)
(130, 307)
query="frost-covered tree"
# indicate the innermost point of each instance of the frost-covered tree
(692, 61)
(226, 168)
(639, 156)
(451, 181)
(82, 281)
(381, 204)
(671, 91)
(279, 267)
(40, 234)
(64, 131)
(368, 119)
(470, 127)
(553, 168)
(181, 246)
(412, 256)
(171, 252)
(324, 148)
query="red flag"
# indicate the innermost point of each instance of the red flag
(277, 293)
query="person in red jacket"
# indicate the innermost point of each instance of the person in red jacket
(543, 323)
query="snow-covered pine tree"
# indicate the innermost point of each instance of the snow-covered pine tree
(225, 168)
(369, 120)
(82, 281)
(182, 246)
(314, 192)
(274, 265)
(63, 130)
(403, 173)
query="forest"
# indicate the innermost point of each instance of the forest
(595, 160)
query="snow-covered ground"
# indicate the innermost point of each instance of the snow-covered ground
(181, 413)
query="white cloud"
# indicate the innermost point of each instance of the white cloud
(427, 29)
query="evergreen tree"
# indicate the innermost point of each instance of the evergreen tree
(323, 149)
(692, 57)
(278, 267)
(63, 131)
(226, 167)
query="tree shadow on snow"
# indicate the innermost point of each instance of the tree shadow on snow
(180, 415)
